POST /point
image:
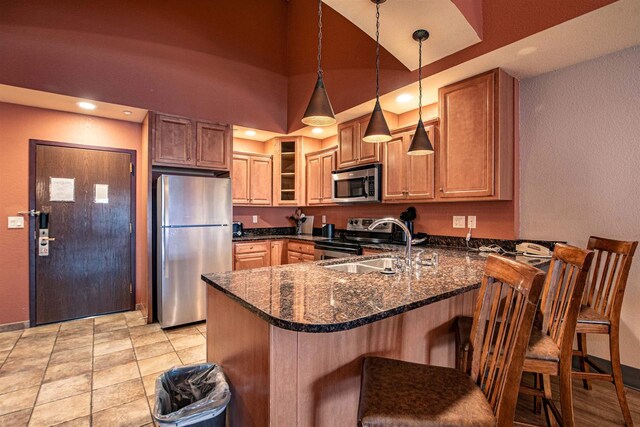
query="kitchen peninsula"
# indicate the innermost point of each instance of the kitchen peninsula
(291, 338)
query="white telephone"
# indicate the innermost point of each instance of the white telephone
(533, 250)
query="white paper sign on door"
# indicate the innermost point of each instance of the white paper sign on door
(62, 189)
(102, 193)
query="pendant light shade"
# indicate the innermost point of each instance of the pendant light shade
(377, 130)
(420, 144)
(319, 111)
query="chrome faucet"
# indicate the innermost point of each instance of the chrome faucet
(407, 233)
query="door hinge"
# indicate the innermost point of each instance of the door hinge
(130, 228)
(130, 288)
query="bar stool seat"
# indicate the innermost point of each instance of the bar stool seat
(589, 315)
(541, 346)
(409, 394)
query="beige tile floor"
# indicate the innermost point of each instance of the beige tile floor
(90, 372)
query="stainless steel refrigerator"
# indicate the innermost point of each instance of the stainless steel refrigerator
(194, 237)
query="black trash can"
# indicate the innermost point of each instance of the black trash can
(194, 395)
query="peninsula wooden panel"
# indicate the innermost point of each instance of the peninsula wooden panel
(285, 378)
(238, 340)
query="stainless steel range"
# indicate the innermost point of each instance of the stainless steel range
(349, 243)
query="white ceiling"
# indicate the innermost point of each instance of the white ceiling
(448, 28)
(602, 31)
(54, 101)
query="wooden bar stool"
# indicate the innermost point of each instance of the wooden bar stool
(550, 346)
(600, 311)
(398, 393)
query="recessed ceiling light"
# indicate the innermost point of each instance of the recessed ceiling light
(527, 50)
(250, 133)
(86, 105)
(316, 130)
(405, 97)
(127, 113)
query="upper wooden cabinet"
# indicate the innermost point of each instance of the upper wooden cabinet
(406, 177)
(352, 150)
(289, 168)
(251, 179)
(320, 164)
(182, 142)
(476, 146)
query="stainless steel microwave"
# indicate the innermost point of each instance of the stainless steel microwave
(361, 184)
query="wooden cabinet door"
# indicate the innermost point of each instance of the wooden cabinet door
(420, 170)
(251, 260)
(260, 178)
(393, 169)
(314, 180)
(293, 257)
(327, 165)
(213, 142)
(348, 134)
(276, 252)
(467, 144)
(174, 142)
(367, 152)
(240, 179)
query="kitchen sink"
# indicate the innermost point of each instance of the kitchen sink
(353, 267)
(368, 266)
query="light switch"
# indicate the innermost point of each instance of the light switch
(471, 221)
(255, 219)
(458, 221)
(324, 219)
(16, 222)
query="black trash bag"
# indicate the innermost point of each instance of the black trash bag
(190, 394)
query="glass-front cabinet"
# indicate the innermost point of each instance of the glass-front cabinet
(289, 168)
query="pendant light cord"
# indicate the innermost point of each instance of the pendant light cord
(377, 50)
(420, 80)
(319, 38)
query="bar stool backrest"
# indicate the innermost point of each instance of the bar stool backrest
(609, 276)
(502, 323)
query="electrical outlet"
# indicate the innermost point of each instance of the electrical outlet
(471, 221)
(255, 219)
(324, 219)
(16, 222)
(458, 221)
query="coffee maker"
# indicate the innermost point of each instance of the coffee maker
(407, 217)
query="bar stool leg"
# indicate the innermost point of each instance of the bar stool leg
(566, 398)
(614, 348)
(546, 388)
(582, 348)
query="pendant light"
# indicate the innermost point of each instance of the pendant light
(420, 144)
(319, 111)
(377, 130)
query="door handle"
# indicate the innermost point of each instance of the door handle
(31, 212)
(50, 239)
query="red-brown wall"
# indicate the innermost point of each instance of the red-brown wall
(18, 124)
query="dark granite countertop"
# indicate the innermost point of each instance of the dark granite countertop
(307, 297)
(254, 237)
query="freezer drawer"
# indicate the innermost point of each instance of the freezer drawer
(185, 253)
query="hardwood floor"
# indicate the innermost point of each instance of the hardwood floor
(596, 408)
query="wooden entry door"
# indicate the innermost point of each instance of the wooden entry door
(90, 266)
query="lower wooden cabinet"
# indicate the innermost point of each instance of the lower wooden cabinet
(277, 251)
(251, 255)
(299, 252)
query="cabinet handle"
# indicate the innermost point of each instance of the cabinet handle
(442, 189)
